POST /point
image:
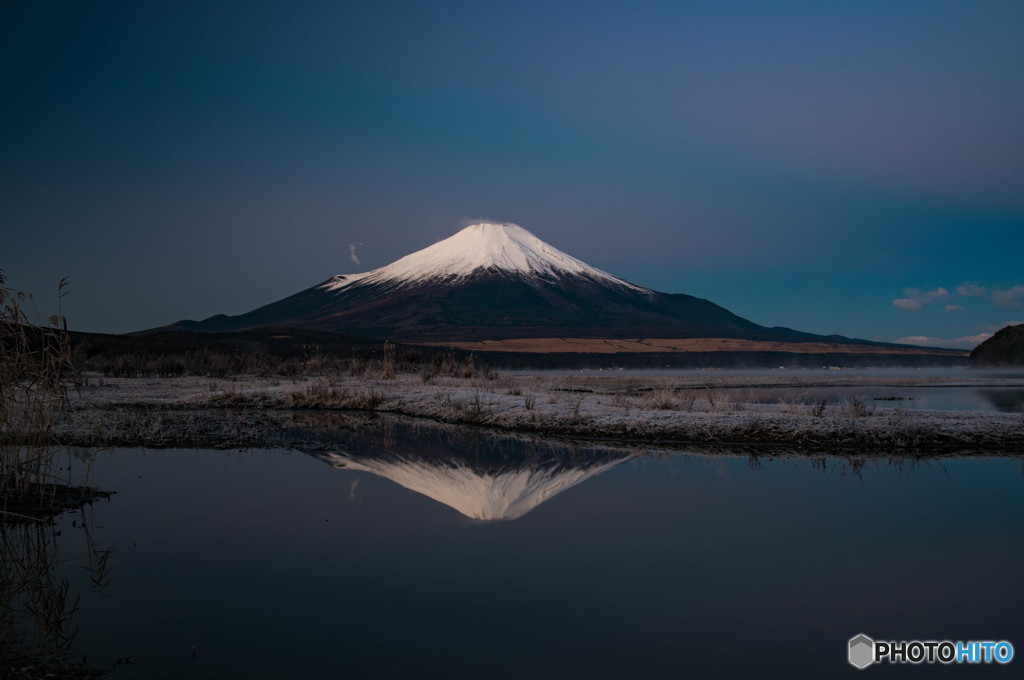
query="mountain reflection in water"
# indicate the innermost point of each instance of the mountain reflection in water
(485, 477)
(479, 491)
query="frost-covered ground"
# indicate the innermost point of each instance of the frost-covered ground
(688, 409)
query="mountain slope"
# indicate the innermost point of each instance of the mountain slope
(494, 282)
(1005, 348)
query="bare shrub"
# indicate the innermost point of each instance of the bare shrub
(529, 398)
(427, 373)
(444, 362)
(818, 410)
(320, 395)
(858, 408)
(477, 408)
(737, 402)
(357, 367)
(792, 404)
(370, 400)
(575, 403)
(897, 415)
(622, 400)
(474, 367)
(387, 362)
(661, 400)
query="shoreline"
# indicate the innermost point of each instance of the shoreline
(678, 412)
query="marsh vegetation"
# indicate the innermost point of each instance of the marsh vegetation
(36, 373)
(804, 413)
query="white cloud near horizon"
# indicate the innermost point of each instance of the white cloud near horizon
(916, 300)
(965, 342)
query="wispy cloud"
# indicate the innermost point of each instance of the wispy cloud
(1008, 298)
(470, 221)
(916, 299)
(999, 326)
(352, 253)
(971, 289)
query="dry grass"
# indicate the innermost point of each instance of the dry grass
(819, 408)
(321, 395)
(543, 406)
(530, 398)
(688, 408)
(36, 608)
(858, 408)
(661, 400)
(35, 372)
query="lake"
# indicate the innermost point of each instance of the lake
(398, 549)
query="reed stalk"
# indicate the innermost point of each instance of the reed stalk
(35, 371)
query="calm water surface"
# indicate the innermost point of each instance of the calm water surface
(397, 551)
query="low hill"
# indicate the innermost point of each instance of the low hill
(1005, 348)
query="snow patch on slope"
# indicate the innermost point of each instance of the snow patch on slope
(487, 246)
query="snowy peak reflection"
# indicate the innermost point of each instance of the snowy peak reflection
(482, 489)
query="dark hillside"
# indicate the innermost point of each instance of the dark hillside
(1005, 348)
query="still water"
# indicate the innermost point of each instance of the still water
(391, 550)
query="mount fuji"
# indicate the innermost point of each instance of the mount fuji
(497, 287)
(494, 282)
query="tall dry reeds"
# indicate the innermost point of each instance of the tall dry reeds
(35, 370)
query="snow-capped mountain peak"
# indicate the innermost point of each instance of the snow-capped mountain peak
(487, 246)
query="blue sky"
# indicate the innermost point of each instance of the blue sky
(852, 168)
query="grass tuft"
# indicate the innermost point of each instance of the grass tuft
(35, 373)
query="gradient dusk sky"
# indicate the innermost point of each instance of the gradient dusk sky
(835, 167)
